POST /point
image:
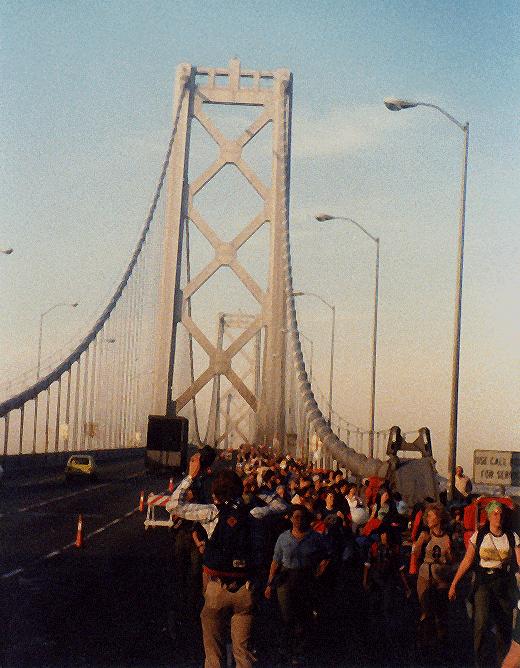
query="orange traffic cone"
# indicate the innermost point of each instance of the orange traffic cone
(79, 532)
(170, 486)
(141, 502)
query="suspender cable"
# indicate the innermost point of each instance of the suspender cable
(127, 363)
(6, 434)
(76, 406)
(67, 411)
(137, 349)
(83, 423)
(47, 417)
(93, 378)
(138, 361)
(35, 424)
(57, 424)
(22, 417)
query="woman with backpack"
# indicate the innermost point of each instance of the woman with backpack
(433, 551)
(491, 551)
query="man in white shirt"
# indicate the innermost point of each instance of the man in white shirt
(463, 485)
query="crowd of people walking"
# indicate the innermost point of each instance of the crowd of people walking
(327, 549)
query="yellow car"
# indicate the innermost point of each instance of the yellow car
(81, 465)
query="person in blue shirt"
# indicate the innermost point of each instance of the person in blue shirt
(300, 556)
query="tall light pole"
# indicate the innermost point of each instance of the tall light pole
(323, 217)
(42, 315)
(395, 104)
(331, 373)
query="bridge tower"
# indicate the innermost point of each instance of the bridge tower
(224, 402)
(271, 92)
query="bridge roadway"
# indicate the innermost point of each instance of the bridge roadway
(111, 602)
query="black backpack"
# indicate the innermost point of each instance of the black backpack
(229, 550)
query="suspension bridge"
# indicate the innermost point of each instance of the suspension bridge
(203, 323)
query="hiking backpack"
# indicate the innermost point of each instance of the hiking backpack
(229, 550)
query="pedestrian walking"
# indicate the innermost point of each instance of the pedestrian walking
(300, 556)
(229, 563)
(433, 551)
(492, 551)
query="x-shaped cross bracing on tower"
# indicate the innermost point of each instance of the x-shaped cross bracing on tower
(236, 411)
(271, 92)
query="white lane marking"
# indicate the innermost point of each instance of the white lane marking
(58, 476)
(52, 554)
(68, 496)
(36, 482)
(55, 553)
(116, 521)
(60, 498)
(53, 477)
(103, 528)
(11, 573)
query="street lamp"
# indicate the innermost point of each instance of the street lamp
(395, 104)
(42, 315)
(6, 251)
(323, 217)
(331, 373)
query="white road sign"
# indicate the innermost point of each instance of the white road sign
(496, 467)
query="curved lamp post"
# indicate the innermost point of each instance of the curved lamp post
(323, 217)
(396, 104)
(331, 373)
(42, 315)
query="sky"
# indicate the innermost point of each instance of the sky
(85, 123)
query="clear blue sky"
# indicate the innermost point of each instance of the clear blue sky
(85, 123)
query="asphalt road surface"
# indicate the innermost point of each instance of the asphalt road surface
(113, 601)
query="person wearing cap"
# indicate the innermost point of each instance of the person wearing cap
(494, 550)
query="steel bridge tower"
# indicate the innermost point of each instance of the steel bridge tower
(271, 92)
(224, 403)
